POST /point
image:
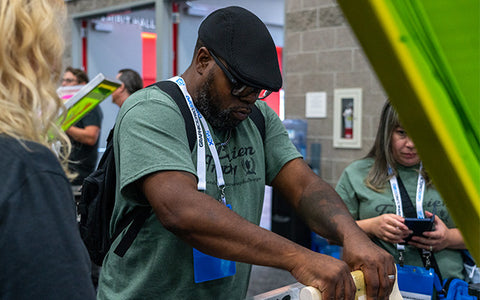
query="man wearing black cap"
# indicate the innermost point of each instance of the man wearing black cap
(210, 199)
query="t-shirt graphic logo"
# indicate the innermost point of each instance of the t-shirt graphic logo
(249, 166)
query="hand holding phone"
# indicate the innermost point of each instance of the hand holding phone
(419, 226)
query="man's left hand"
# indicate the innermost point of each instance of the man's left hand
(375, 263)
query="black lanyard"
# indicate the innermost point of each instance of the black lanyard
(428, 258)
(407, 206)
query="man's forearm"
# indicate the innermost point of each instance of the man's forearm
(326, 214)
(87, 135)
(211, 227)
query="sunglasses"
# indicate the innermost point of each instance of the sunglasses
(239, 89)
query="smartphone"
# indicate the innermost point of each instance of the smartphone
(419, 226)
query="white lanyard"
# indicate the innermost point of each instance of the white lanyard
(418, 198)
(201, 156)
(398, 199)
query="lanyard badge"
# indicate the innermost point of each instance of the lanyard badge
(398, 203)
(206, 267)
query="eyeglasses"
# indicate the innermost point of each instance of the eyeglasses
(239, 89)
(68, 80)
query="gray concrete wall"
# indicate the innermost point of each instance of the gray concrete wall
(322, 54)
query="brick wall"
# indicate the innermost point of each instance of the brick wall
(322, 54)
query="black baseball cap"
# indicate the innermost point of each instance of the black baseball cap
(243, 41)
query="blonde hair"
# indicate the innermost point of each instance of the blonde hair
(382, 152)
(30, 67)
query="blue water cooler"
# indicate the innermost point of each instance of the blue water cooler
(285, 222)
(297, 132)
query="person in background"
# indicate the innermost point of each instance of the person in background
(194, 211)
(84, 135)
(366, 188)
(131, 82)
(41, 253)
(73, 77)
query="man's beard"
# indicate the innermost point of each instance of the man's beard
(209, 106)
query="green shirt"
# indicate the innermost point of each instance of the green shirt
(149, 137)
(364, 203)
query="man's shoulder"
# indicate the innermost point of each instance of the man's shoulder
(149, 94)
(264, 108)
(150, 104)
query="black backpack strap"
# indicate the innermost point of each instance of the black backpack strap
(139, 215)
(108, 147)
(259, 120)
(174, 91)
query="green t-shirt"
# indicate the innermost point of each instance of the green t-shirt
(149, 137)
(364, 203)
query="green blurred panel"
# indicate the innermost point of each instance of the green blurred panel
(456, 25)
(426, 54)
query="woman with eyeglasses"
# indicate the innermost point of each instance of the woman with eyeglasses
(391, 184)
(41, 253)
